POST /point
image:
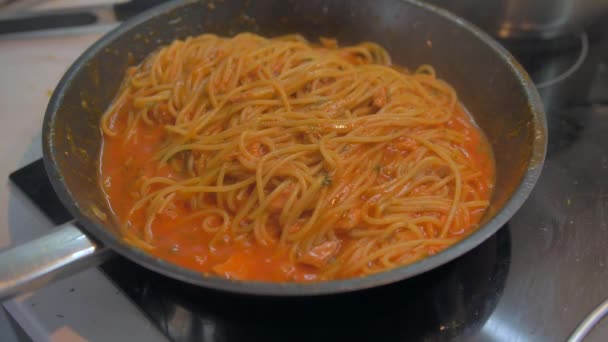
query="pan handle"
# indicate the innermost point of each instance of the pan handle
(62, 252)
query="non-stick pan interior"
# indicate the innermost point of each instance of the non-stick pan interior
(499, 97)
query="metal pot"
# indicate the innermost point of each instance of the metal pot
(490, 83)
(527, 18)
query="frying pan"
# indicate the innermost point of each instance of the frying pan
(489, 82)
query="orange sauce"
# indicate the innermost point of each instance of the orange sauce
(187, 245)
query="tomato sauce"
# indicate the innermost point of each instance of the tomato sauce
(184, 243)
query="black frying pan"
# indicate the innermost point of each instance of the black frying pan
(490, 83)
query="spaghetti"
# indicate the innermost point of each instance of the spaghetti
(280, 160)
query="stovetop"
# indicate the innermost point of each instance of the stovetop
(536, 279)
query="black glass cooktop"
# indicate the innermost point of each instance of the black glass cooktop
(536, 279)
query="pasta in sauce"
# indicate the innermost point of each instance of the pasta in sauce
(281, 160)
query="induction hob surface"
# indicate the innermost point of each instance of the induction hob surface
(536, 279)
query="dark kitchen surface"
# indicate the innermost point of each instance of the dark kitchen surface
(536, 279)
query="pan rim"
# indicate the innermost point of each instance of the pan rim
(520, 194)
